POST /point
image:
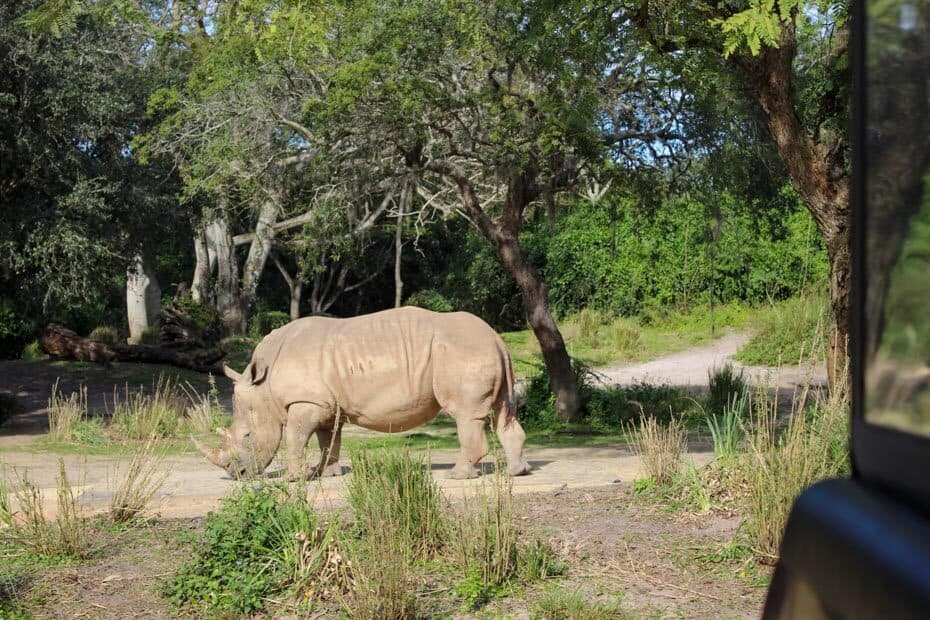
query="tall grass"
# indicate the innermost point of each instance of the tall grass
(29, 527)
(724, 382)
(139, 416)
(659, 446)
(726, 430)
(204, 412)
(136, 481)
(780, 463)
(789, 332)
(396, 490)
(67, 415)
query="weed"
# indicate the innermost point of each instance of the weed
(659, 447)
(725, 384)
(66, 537)
(66, 415)
(204, 413)
(778, 466)
(559, 604)
(263, 541)
(396, 491)
(137, 481)
(538, 561)
(726, 429)
(139, 416)
(382, 576)
(697, 494)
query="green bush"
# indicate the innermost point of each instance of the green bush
(725, 384)
(33, 351)
(262, 541)
(202, 320)
(431, 300)
(105, 333)
(263, 323)
(15, 331)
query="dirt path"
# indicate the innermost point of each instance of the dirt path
(194, 486)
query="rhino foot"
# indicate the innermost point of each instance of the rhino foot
(464, 473)
(521, 469)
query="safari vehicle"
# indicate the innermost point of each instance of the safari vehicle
(860, 548)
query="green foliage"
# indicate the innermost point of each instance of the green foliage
(204, 320)
(262, 323)
(33, 351)
(559, 604)
(105, 333)
(431, 300)
(256, 545)
(726, 429)
(603, 408)
(758, 25)
(15, 330)
(791, 332)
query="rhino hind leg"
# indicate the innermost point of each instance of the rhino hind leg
(512, 437)
(474, 445)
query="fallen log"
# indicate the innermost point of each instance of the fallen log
(61, 342)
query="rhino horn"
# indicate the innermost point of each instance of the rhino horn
(232, 374)
(218, 457)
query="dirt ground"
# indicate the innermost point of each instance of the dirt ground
(579, 499)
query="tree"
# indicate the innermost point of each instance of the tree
(794, 58)
(510, 103)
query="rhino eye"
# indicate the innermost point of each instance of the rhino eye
(247, 434)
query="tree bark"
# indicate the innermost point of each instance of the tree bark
(220, 245)
(259, 250)
(294, 284)
(503, 235)
(818, 173)
(200, 283)
(399, 247)
(143, 298)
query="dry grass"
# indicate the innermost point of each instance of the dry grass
(136, 481)
(66, 414)
(624, 335)
(28, 526)
(659, 447)
(139, 416)
(779, 463)
(204, 412)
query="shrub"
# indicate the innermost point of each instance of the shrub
(105, 333)
(203, 320)
(15, 330)
(33, 351)
(659, 446)
(624, 336)
(589, 322)
(726, 384)
(263, 323)
(150, 336)
(262, 541)
(789, 333)
(237, 350)
(431, 300)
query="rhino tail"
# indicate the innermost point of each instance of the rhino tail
(508, 409)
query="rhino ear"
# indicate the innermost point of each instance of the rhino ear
(232, 374)
(258, 374)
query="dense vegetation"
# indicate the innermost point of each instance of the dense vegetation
(522, 161)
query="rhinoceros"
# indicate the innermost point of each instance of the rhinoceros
(389, 371)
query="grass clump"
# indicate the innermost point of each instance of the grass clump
(204, 412)
(560, 604)
(28, 527)
(726, 429)
(69, 420)
(139, 416)
(105, 333)
(33, 351)
(262, 545)
(779, 464)
(725, 384)
(659, 447)
(136, 481)
(789, 332)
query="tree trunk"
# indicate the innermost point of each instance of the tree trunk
(818, 174)
(399, 248)
(259, 250)
(504, 237)
(220, 245)
(203, 269)
(143, 298)
(295, 285)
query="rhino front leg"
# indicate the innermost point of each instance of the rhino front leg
(303, 419)
(329, 441)
(474, 446)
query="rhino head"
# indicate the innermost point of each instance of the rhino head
(250, 443)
